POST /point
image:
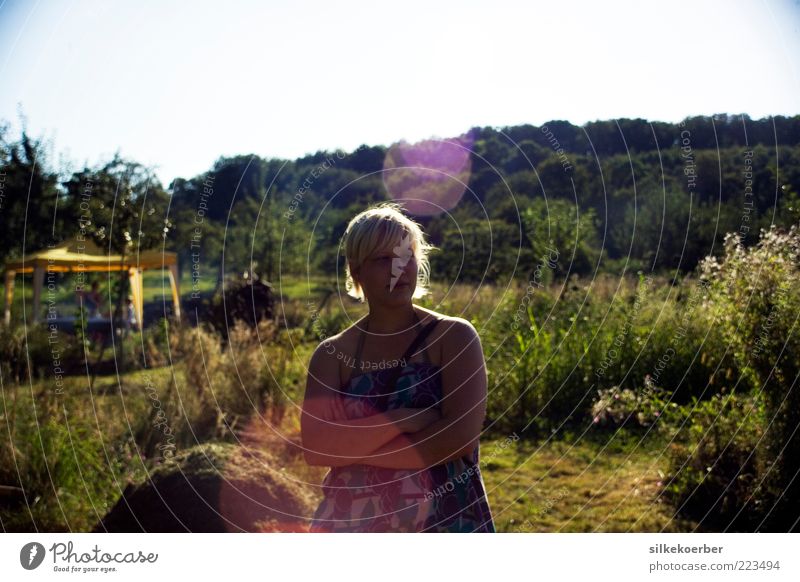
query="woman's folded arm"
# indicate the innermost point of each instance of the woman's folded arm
(437, 444)
(336, 443)
(329, 438)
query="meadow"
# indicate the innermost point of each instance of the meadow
(625, 403)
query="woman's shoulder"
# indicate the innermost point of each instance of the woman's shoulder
(348, 335)
(447, 321)
(344, 342)
(449, 330)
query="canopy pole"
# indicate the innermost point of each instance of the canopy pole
(135, 278)
(9, 294)
(173, 283)
(38, 281)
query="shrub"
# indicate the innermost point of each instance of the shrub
(13, 365)
(253, 382)
(756, 292)
(248, 299)
(34, 347)
(633, 409)
(151, 346)
(540, 369)
(715, 462)
(678, 344)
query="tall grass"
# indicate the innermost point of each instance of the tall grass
(70, 467)
(714, 358)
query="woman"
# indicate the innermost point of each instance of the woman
(394, 404)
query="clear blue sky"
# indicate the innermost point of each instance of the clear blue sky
(177, 84)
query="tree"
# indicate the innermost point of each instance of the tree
(29, 197)
(476, 250)
(562, 236)
(126, 214)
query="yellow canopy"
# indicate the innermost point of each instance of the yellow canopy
(85, 256)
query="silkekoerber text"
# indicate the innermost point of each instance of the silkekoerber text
(679, 549)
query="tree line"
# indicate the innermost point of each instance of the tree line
(606, 196)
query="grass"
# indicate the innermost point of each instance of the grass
(600, 483)
(560, 486)
(303, 288)
(592, 484)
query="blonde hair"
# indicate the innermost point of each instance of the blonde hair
(378, 228)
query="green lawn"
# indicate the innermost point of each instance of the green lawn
(558, 487)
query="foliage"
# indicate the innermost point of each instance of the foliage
(558, 232)
(34, 351)
(632, 409)
(716, 464)
(122, 208)
(29, 196)
(757, 293)
(475, 250)
(624, 191)
(69, 469)
(246, 299)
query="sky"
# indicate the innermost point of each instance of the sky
(176, 85)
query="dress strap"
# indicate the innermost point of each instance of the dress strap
(419, 339)
(360, 346)
(425, 347)
(395, 372)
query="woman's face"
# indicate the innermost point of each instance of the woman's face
(388, 276)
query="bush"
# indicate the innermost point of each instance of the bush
(716, 464)
(247, 299)
(33, 345)
(151, 346)
(633, 409)
(14, 365)
(253, 385)
(678, 344)
(756, 292)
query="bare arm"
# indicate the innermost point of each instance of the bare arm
(329, 439)
(464, 391)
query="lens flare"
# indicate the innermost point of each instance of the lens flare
(430, 176)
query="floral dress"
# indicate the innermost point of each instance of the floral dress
(449, 497)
